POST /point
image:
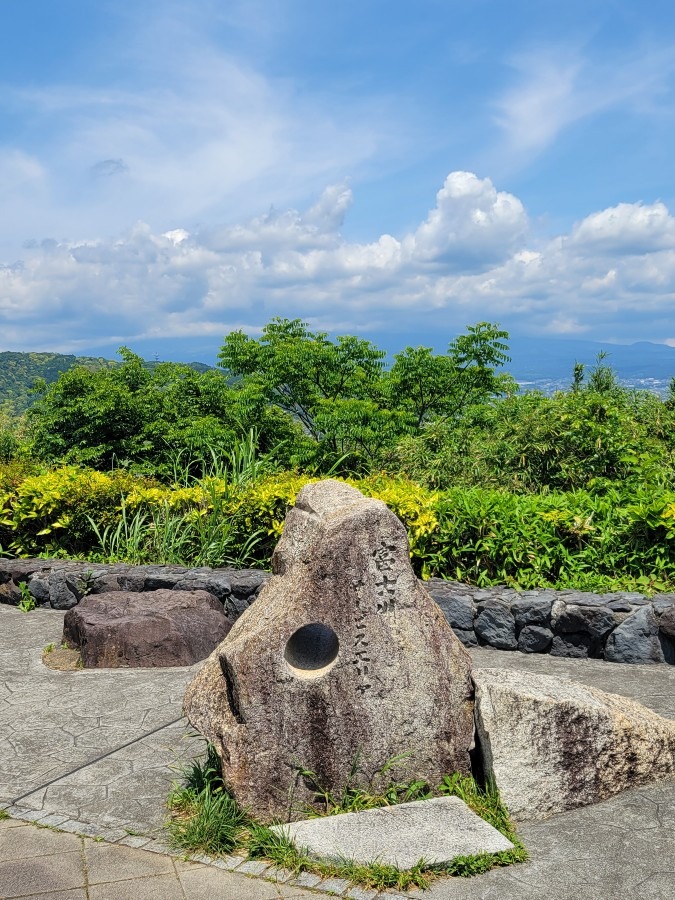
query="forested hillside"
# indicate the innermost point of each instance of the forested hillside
(19, 372)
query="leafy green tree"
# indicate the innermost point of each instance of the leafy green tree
(131, 416)
(330, 388)
(584, 438)
(299, 370)
(431, 386)
(351, 409)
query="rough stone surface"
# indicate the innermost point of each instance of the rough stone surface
(532, 610)
(158, 628)
(468, 638)
(576, 646)
(534, 639)
(68, 724)
(552, 745)
(62, 584)
(582, 623)
(667, 622)
(458, 610)
(63, 591)
(636, 640)
(496, 626)
(662, 602)
(437, 830)
(595, 621)
(343, 657)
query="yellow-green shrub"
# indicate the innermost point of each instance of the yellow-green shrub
(49, 512)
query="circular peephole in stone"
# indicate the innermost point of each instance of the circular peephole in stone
(312, 648)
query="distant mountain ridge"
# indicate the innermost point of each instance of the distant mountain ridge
(19, 371)
(544, 364)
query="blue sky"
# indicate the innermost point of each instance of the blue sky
(170, 171)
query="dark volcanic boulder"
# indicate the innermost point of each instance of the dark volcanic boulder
(154, 628)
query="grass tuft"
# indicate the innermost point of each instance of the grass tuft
(206, 817)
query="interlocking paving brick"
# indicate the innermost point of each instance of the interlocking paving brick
(112, 862)
(334, 886)
(252, 867)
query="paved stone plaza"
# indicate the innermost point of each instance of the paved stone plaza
(94, 752)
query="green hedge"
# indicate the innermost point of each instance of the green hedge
(574, 539)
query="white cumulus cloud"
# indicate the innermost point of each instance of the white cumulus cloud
(473, 257)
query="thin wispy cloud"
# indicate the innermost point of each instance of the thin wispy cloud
(557, 86)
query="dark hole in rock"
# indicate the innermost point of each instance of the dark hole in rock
(312, 647)
(668, 648)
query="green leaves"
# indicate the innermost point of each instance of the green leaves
(350, 407)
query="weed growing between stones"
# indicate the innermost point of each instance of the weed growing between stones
(27, 602)
(382, 790)
(3, 814)
(206, 818)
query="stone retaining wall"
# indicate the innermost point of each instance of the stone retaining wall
(62, 585)
(620, 627)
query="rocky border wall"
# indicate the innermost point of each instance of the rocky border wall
(62, 584)
(620, 627)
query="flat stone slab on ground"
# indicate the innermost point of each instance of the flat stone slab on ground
(435, 830)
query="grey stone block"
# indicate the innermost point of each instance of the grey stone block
(534, 639)
(135, 840)
(111, 835)
(38, 585)
(595, 621)
(306, 879)
(360, 893)
(71, 826)
(32, 815)
(532, 610)
(663, 602)
(620, 606)
(218, 585)
(636, 640)
(334, 886)
(277, 875)
(61, 593)
(156, 846)
(437, 830)
(202, 858)
(667, 622)
(105, 584)
(228, 862)
(574, 646)
(468, 638)
(252, 867)
(53, 820)
(496, 626)
(458, 611)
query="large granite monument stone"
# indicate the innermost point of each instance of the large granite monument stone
(343, 657)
